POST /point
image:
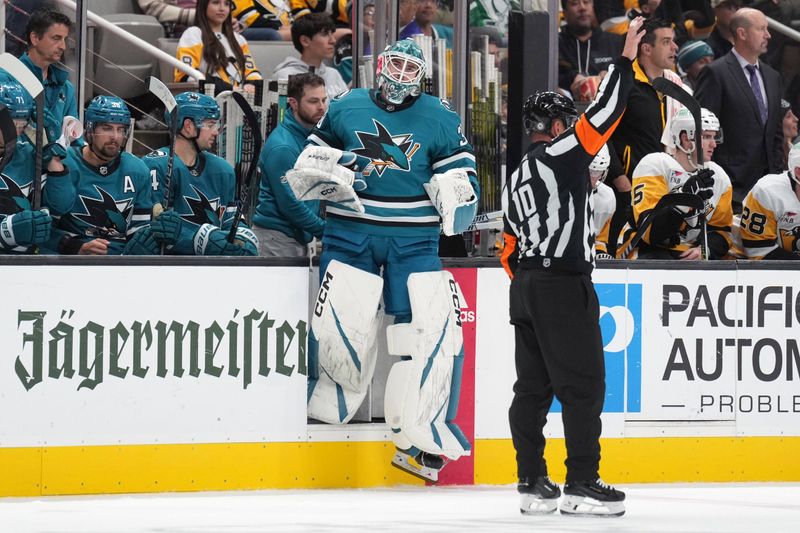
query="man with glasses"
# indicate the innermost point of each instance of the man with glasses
(202, 187)
(102, 202)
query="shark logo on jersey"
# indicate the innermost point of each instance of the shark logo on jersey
(105, 217)
(204, 211)
(13, 199)
(385, 150)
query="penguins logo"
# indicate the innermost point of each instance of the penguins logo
(386, 151)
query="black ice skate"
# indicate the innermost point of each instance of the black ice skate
(592, 498)
(424, 465)
(538, 496)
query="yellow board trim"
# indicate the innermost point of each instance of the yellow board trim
(208, 467)
(658, 460)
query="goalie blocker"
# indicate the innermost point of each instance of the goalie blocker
(422, 390)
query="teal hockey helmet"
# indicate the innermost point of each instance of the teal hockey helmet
(196, 106)
(401, 68)
(106, 109)
(16, 99)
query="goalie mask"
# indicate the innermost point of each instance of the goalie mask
(542, 108)
(401, 68)
(598, 168)
(684, 121)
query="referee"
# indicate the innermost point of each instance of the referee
(558, 347)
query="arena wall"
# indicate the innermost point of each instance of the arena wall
(98, 396)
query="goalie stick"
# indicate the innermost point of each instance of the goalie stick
(9, 135)
(677, 93)
(28, 80)
(244, 179)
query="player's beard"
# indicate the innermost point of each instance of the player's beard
(108, 151)
(308, 118)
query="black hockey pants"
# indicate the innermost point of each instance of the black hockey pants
(558, 349)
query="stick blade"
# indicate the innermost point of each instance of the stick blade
(21, 73)
(162, 92)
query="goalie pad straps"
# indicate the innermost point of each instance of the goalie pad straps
(342, 352)
(422, 393)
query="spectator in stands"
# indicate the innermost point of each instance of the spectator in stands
(584, 52)
(642, 126)
(745, 94)
(642, 8)
(283, 224)
(339, 11)
(406, 12)
(263, 20)
(427, 13)
(47, 32)
(312, 36)
(789, 129)
(214, 49)
(721, 38)
(16, 20)
(174, 15)
(693, 56)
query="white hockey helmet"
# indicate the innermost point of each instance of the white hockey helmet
(598, 168)
(794, 162)
(684, 121)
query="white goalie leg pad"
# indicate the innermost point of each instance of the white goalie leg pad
(344, 328)
(422, 393)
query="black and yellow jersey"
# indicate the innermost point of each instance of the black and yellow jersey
(338, 10)
(771, 218)
(190, 51)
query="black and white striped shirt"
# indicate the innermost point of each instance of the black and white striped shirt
(547, 202)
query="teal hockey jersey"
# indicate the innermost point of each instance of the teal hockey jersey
(110, 201)
(202, 194)
(399, 148)
(15, 185)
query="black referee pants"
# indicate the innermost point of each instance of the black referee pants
(558, 350)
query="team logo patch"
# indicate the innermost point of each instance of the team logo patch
(205, 210)
(106, 216)
(13, 198)
(386, 151)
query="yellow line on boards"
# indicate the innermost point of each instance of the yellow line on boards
(658, 460)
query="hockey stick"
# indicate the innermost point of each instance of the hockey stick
(28, 80)
(244, 179)
(675, 199)
(9, 135)
(161, 92)
(674, 91)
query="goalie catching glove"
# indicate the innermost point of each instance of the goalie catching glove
(321, 173)
(454, 198)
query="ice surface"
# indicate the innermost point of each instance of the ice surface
(728, 508)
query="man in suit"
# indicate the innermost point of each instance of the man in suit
(746, 96)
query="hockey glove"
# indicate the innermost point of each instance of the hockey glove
(210, 240)
(142, 243)
(454, 198)
(26, 228)
(166, 228)
(700, 183)
(247, 240)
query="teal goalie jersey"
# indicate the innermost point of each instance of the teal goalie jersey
(397, 154)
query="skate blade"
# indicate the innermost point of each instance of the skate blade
(582, 506)
(530, 504)
(408, 464)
